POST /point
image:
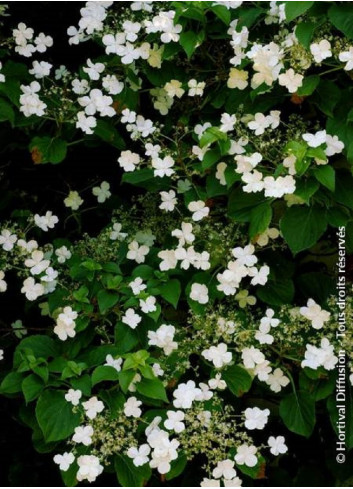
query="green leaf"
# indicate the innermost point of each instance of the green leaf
(32, 387)
(108, 133)
(48, 150)
(303, 226)
(304, 33)
(222, 13)
(171, 291)
(260, 218)
(55, 416)
(256, 471)
(106, 300)
(41, 347)
(211, 135)
(6, 112)
(326, 176)
(241, 204)
(238, 379)
(340, 14)
(12, 383)
(297, 411)
(177, 467)
(277, 292)
(103, 373)
(189, 42)
(343, 191)
(295, 9)
(128, 474)
(309, 85)
(152, 388)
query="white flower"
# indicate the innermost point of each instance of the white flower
(262, 370)
(254, 182)
(114, 43)
(3, 284)
(163, 337)
(128, 160)
(137, 285)
(246, 455)
(89, 468)
(252, 356)
(47, 221)
(86, 123)
(168, 258)
(116, 233)
(102, 193)
(237, 79)
(277, 445)
(131, 318)
(43, 42)
(1, 354)
(132, 408)
(315, 314)
(217, 382)
(157, 370)
(139, 455)
(22, 34)
(80, 87)
(218, 355)
(277, 380)
(73, 396)
(7, 240)
(93, 70)
(174, 89)
(333, 145)
(63, 254)
(291, 80)
(73, 200)
(27, 246)
(163, 167)
(137, 252)
(174, 421)
(65, 324)
(199, 210)
(30, 102)
(31, 289)
(225, 469)
(40, 69)
(227, 122)
(256, 418)
(320, 357)
(185, 395)
(245, 256)
(184, 235)
(347, 57)
(92, 407)
(259, 124)
(96, 101)
(236, 482)
(36, 263)
(113, 362)
(321, 50)
(315, 140)
(112, 85)
(199, 293)
(148, 305)
(269, 319)
(260, 277)
(83, 434)
(169, 200)
(210, 483)
(195, 88)
(64, 461)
